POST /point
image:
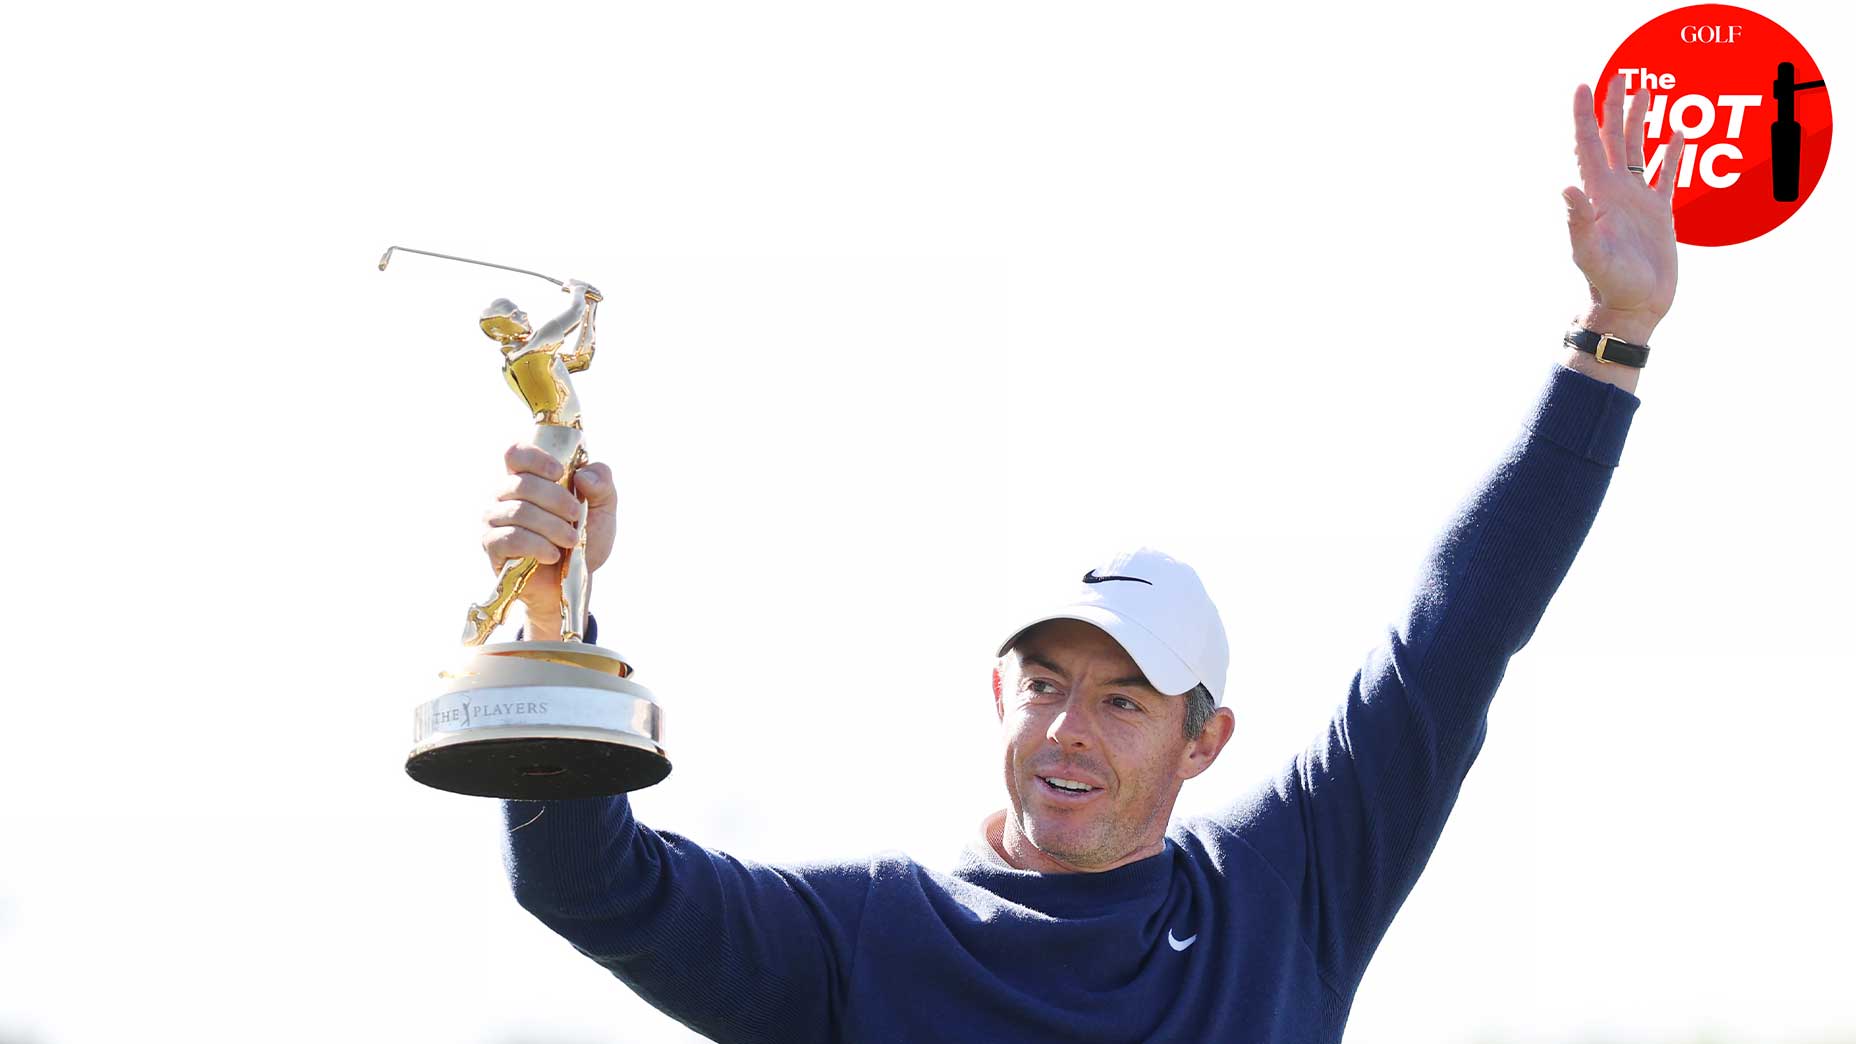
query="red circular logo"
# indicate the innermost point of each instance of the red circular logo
(1751, 104)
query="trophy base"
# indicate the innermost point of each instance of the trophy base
(539, 721)
(539, 768)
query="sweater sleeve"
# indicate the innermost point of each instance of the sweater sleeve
(1349, 824)
(734, 950)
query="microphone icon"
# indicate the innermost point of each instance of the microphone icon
(1787, 135)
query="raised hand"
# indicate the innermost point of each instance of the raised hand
(1623, 230)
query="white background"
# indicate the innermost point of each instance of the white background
(911, 309)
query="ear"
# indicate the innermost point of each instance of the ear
(1200, 753)
(998, 694)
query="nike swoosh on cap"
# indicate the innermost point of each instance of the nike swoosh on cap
(1091, 578)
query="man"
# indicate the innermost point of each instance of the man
(1081, 915)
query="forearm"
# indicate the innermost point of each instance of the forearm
(1633, 328)
(1501, 557)
(1364, 806)
(565, 858)
(736, 950)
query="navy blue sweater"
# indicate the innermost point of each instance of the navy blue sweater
(1286, 892)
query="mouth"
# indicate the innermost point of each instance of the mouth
(1066, 790)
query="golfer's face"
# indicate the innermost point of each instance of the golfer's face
(1092, 751)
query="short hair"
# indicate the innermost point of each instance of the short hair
(1199, 710)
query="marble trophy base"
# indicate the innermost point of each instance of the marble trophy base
(537, 721)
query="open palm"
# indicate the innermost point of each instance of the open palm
(1623, 230)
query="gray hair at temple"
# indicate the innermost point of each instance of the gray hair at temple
(1199, 709)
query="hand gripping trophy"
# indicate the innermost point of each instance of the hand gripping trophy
(539, 719)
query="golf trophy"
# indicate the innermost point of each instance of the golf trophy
(537, 719)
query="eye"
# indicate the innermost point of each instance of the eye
(1032, 686)
(1124, 703)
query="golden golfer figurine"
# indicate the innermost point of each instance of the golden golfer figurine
(539, 720)
(537, 368)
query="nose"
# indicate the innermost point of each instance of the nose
(1071, 728)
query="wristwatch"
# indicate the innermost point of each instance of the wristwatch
(1607, 347)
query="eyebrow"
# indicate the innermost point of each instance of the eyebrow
(1136, 678)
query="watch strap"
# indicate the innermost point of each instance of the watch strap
(1607, 347)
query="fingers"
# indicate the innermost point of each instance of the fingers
(1671, 169)
(532, 513)
(1579, 209)
(504, 544)
(594, 483)
(536, 517)
(527, 516)
(548, 496)
(1614, 122)
(1633, 128)
(526, 459)
(1591, 152)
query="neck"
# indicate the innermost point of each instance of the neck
(1003, 833)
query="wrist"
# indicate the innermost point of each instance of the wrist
(546, 628)
(1626, 326)
(1635, 327)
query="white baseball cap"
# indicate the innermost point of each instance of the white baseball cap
(1155, 606)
